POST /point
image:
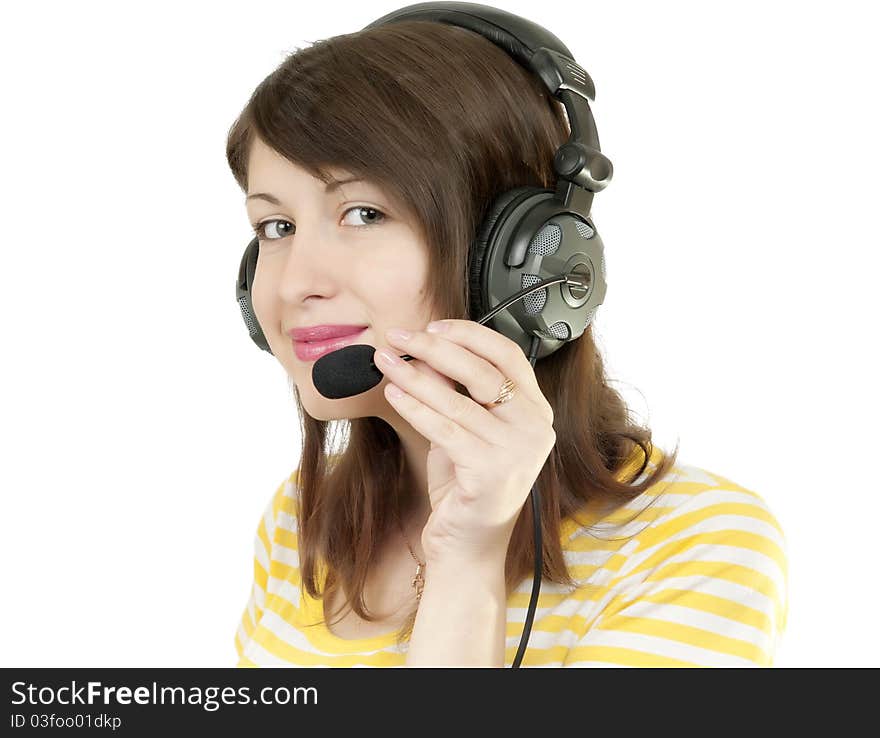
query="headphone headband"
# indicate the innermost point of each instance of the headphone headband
(518, 36)
(579, 160)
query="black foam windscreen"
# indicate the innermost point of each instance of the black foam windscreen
(348, 371)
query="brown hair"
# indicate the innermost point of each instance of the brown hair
(443, 121)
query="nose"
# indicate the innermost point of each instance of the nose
(308, 265)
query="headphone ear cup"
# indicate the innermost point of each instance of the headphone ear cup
(246, 270)
(503, 205)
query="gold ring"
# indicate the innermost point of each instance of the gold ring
(505, 394)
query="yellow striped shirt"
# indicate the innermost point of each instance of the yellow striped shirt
(703, 582)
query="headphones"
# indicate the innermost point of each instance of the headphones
(528, 233)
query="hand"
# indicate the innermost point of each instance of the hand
(482, 463)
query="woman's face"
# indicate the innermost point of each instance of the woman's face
(338, 256)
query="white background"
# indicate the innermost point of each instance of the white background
(143, 432)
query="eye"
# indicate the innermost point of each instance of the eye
(260, 230)
(372, 215)
(367, 215)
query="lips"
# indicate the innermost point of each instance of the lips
(312, 350)
(323, 332)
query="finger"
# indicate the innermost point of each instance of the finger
(481, 359)
(481, 378)
(461, 445)
(441, 398)
(498, 349)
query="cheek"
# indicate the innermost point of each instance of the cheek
(404, 283)
(261, 299)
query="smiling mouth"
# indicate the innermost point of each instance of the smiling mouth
(312, 350)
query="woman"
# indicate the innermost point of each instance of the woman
(369, 160)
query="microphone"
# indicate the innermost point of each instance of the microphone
(347, 371)
(350, 370)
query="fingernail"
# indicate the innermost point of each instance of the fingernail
(389, 358)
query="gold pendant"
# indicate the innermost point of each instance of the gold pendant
(418, 582)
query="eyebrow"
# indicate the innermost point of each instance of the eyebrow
(331, 186)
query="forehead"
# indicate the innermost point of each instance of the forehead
(269, 172)
(267, 168)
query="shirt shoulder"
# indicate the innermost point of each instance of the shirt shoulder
(686, 496)
(694, 570)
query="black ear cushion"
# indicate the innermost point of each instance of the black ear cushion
(506, 201)
(246, 268)
(243, 294)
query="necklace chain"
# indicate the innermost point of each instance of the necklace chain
(419, 579)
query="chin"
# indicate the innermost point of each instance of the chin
(364, 405)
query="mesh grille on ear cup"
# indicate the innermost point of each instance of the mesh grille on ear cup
(547, 240)
(534, 303)
(559, 330)
(248, 317)
(584, 229)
